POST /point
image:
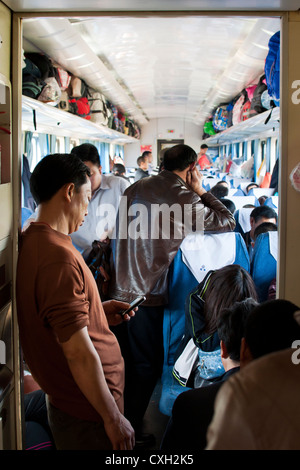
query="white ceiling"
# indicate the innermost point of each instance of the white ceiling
(155, 66)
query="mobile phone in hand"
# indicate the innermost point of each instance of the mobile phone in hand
(133, 304)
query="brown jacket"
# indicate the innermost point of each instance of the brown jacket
(146, 242)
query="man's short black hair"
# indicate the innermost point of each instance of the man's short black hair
(146, 153)
(204, 146)
(53, 172)
(263, 212)
(271, 327)
(263, 228)
(179, 157)
(219, 190)
(229, 204)
(118, 168)
(87, 153)
(250, 186)
(231, 326)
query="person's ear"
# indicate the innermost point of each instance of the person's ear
(100, 170)
(224, 352)
(69, 190)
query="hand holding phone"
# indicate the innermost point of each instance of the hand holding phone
(133, 304)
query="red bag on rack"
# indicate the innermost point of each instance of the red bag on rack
(80, 107)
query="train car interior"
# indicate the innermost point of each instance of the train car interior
(144, 78)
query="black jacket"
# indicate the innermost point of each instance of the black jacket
(191, 415)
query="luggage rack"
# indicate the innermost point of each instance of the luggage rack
(45, 118)
(253, 128)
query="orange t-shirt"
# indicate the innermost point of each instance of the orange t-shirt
(56, 296)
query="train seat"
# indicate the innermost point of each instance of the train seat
(242, 219)
(241, 201)
(264, 263)
(258, 192)
(235, 192)
(196, 256)
(240, 183)
(272, 202)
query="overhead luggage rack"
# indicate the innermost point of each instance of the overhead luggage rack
(45, 118)
(250, 129)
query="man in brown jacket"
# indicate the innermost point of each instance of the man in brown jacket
(155, 214)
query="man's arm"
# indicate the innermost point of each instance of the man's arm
(86, 368)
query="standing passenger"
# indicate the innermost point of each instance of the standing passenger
(149, 156)
(103, 207)
(142, 170)
(142, 260)
(203, 160)
(64, 332)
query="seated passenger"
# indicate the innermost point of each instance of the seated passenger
(258, 216)
(219, 289)
(262, 200)
(251, 186)
(193, 410)
(263, 228)
(229, 204)
(260, 404)
(220, 189)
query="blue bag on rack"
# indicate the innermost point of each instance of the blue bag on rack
(272, 68)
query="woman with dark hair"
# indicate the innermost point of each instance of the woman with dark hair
(219, 290)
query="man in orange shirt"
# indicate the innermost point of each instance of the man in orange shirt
(203, 161)
(64, 327)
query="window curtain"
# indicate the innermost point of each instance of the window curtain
(104, 153)
(43, 141)
(268, 154)
(255, 144)
(67, 144)
(245, 151)
(28, 147)
(52, 143)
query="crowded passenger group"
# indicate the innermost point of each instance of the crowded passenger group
(87, 253)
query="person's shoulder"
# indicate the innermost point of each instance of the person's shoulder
(113, 182)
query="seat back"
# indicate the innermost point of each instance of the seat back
(264, 263)
(196, 256)
(258, 192)
(272, 202)
(242, 219)
(241, 201)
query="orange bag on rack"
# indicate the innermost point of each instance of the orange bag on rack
(266, 181)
